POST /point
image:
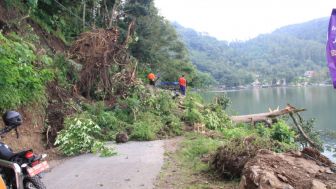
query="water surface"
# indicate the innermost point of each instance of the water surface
(320, 103)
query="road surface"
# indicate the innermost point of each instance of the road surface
(136, 166)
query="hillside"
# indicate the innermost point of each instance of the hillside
(61, 60)
(287, 53)
(77, 74)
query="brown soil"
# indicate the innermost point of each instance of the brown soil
(30, 133)
(56, 111)
(314, 154)
(55, 44)
(33, 131)
(176, 174)
(229, 159)
(9, 19)
(287, 170)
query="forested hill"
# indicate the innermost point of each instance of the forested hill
(287, 53)
(315, 30)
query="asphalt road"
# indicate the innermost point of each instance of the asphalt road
(136, 166)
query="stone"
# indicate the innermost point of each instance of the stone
(121, 138)
(315, 184)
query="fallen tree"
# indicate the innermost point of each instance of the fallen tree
(267, 117)
(270, 117)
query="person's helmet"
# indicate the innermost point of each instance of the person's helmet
(12, 118)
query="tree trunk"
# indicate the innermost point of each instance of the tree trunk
(265, 117)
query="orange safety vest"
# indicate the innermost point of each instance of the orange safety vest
(151, 76)
(182, 81)
(2, 184)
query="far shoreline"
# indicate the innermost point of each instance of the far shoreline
(258, 88)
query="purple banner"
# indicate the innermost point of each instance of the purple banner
(331, 47)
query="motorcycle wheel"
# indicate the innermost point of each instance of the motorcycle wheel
(33, 183)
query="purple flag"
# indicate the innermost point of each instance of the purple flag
(331, 47)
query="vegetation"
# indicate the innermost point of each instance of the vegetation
(286, 53)
(147, 39)
(80, 136)
(23, 73)
(229, 145)
(144, 113)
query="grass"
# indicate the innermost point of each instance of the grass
(184, 168)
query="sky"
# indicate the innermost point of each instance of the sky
(232, 20)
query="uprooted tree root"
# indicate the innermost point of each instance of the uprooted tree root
(56, 111)
(314, 154)
(107, 66)
(229, 159)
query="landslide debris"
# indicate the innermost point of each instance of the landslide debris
(229, 159)
(287, 170)
(107, 67)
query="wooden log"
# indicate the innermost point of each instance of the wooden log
(265, 117)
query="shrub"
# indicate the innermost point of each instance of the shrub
(263, 131)
(111, 122)
(79, 136)
(165, 105)
(308, 128)
(146, 127)
(193, 116)
(212, 121)
(223, 101)
(172, 125)
(216, 119)
(281, 132)
(66, 70)
(238, 131)
(21, 82)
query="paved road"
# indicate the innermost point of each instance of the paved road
(136, 166)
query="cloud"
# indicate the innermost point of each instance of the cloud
(242, 19)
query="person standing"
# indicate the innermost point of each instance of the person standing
(183, 85)
(151, 78)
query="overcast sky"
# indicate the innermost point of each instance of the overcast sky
(242, 19)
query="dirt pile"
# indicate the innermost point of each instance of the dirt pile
(286, 170)
(229, 159)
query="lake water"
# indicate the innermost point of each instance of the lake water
(320, 103)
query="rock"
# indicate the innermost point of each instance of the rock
(121, 138)
(286, 170)
(315, 184)
(282, 178)
(329, 171)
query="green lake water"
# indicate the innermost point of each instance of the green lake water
(320, 103)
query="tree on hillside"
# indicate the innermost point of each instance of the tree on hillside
(157, 45)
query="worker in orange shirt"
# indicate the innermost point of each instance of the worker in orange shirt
(183, 85)
(151, 78)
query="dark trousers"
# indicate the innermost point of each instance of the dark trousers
(183, 89)
(151, 82)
